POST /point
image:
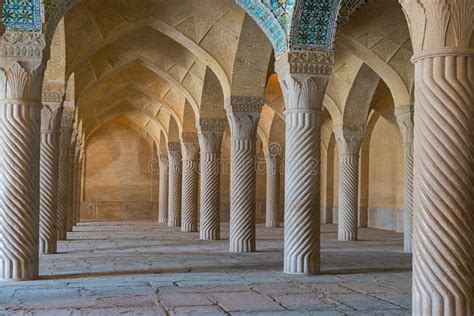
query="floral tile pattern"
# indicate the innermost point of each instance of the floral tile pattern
(23, 15)
(283, 11)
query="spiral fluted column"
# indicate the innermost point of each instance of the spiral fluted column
(20, 121)
(243, 121)
(303, 76)
(190, 152)
(175, 180)
(443, 223)
(349, 142)
(49, 159)
(272, 158)
(70, 188)
(64, 148)
(164, 182)
(210, 141)
(405, 122)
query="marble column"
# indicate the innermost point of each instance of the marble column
(70, 188)
(210, 141)
(190, 152)
(175, 177)
(164, 181)
(272, 158)
(443, 223)
(21, 73)
(405, 122)
(49, 160)
(349, 142)
(304, 76)
(64, 148)
(243, 121)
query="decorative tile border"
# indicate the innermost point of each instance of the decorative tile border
(22, 15)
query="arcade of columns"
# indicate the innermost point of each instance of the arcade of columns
(41, 161)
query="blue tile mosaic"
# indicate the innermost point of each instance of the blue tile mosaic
(22, 15)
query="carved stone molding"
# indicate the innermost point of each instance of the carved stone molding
(174, 147)
(52, 97)
(212, 125)
(303, 93)
(51, 118)
(22, 44)
(190, 146)
(305, 62)
(247, 104)
(349, 140)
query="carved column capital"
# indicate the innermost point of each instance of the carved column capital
(404, 116)
(174, 153)
(210, 135)
(273, 154)
(349, 140)
(51, 118)
(439, 28)
(190, 146)
(305, 63)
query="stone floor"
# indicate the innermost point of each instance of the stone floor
(146, 269)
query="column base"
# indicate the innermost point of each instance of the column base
(189, 228)
(163, 220)
(303, 267)
(14, 271)
(347, 236)
(272, 224)
(174, 223)
(47, 247)
(242, 246)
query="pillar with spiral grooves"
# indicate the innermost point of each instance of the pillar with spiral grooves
(405, 122)
(190, 152)
(443, 223)
(349, 142)
(164, 181)
(303, 76)
(20, 121)
(175, 179)
(64, 143)
(70, 187)
(210, 141)
(49, 159)
(243, 121)
(272, 159)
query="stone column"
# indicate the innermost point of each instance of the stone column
(64, 148)
(443, 224)
(304, 76)
(175, 177)
(349, 141)
(164, 181)
(76, 182)
(405, 122)
(21, 73)
(210, 141)
(70, 189)
(243, 120)
(190, 151)
(272, 159)
(49, 160)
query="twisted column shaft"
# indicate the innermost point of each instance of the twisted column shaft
(49, 160)
(48, 192)
(443, 223)
(443, 259)
(70, 189)
(243, 175)
(405, 122)
(65, 140)
(175, 180)
(164, 181)
(272, 158)
(303, 76)
(210, 141)
(349, 142)
(190, 151)
(19, 162)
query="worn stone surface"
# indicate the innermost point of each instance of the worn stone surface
(143, 268)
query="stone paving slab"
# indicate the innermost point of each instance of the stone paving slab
(142, 268)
